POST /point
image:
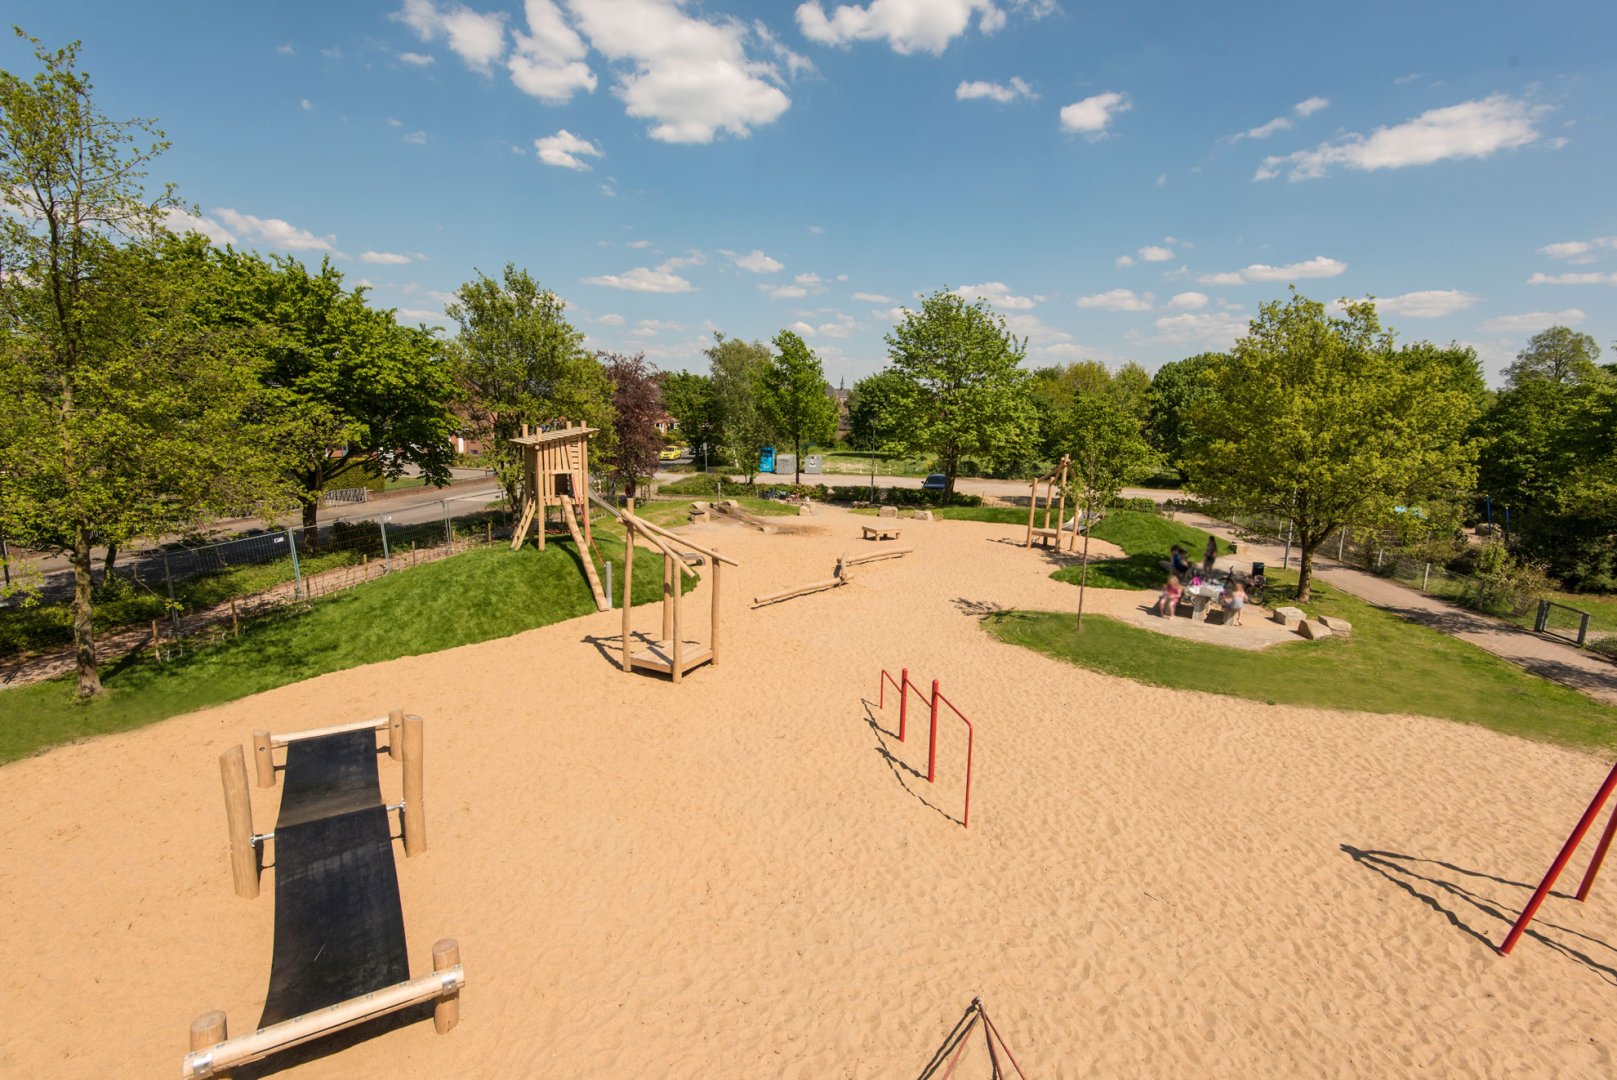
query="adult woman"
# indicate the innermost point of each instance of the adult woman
(1210, 555)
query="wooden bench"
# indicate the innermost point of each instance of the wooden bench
(881, 532)
(1047, 536)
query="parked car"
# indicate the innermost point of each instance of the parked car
(935, 482)
(671, 453)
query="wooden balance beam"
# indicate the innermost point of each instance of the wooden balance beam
(842, 577)
(340, 956)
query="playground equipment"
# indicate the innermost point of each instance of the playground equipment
(340, 957)
(555, 472)
(903, 685)
(1053, 480)
(954, 1045)
(840, 577)
(671, 654)
(732, 510)
(1567, 850)
(880, 532)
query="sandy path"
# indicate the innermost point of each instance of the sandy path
(730, 879)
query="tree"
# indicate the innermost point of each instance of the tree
(1107, 453)
(873, 408)
(1171, 401)
(1320, 422)
(797, 401)
(963, 390)
(1558, 355)
(119, 414)
(519, 361)
(688, 397)
(738, 376)
(637, 402)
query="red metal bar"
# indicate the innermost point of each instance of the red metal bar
(971, 738)
(1561, 860)
(1600, 857)
(932, 741)
(903, 701)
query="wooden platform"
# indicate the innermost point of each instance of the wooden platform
(881, 532)
(1045, 536)
(659, 656)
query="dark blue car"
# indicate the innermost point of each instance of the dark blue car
(934, 482)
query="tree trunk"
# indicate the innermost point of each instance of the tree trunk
(1305, 568)
(83, 635)
(1083, 572)
(797, 461)
(106, 567)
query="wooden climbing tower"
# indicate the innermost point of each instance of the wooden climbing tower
(556, 473)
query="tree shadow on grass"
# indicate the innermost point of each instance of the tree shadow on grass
(1451, 891)
(1133, 572)
(908, 777)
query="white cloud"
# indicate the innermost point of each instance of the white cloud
(415, 315)
(548, 60)
(998, 294)
(1579, 251)
(1429, 304)
(756, 262)
(418, 59)
(872, 298)
(907, 26)
(1573, 279)
(1533, 321)
(477, 38)
(306, 104)
(286, 50)
(275, 233)
(1304, 108)
(639, 244)
(1216, 329)
(841, 326)
(1162, 180)
(892, 314)
(785, 292)
(1310, 106)
(680, 262)
(1471, 129)
(643, 279)
(1188, 301)
(816, 230)
(1317, 267)
(690, 76)
(1004, 94)
(392, 122)
(566, 150)
(796, 63)
(391, 258)
(1152, 253)
(177, 220)
(610, 320)
(416, 138)
(812, 281)
(1115, 300)
(1092, 115)
(332, 53)
(1124, 260)
(653, 327)
(802, 329)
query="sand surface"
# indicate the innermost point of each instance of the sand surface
(748, 876)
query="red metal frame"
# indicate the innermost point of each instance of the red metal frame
(1567, 849)
(903, 685)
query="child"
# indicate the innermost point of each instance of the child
(1210, 555)
(1181, 565)
(1168, 599)
(1233, 600)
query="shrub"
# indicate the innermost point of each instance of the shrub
(1140, 505)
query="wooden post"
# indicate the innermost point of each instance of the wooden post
(157, 643)
(239, 820)
(628, 584)
(582, 495)
(677, 649)
(670, 590)
(235, 624)
(263, 760)
(415, 808)
(1032, 508)
(1049, 490)
(395, 734)
(1061, 507)
(207, 1030)
(713, 630)
(446, 1010)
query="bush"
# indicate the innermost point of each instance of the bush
(1141, 505)
(701, 484)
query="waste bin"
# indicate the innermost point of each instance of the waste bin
(1257, 569)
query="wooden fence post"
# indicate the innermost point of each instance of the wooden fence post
(263, 760)
(395, 734)
(207, 1030)
(446, 1009)
(239, 819)
(415, 809)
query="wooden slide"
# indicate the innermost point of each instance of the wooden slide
(601, 602)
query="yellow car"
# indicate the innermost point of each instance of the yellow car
(671, 454)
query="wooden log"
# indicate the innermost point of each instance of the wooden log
(677, 651)
(207, 1031)
(628, 583)
(235, 624)
(239, 822)
(713, 618)
(668, 597)
(260, 1044)
(415, 805)
(446, 1010)
(263, 759)
(395, 734)
(801, 590)
(1032, 508)
(375, 724)
(874, 556)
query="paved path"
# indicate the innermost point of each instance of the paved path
(1565, 664)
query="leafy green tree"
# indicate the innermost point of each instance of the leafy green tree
(1175, 391)
(688, 397)
(1321, 422)
(1107, 453)
(738, 370)
(519, 362)
(1559, 355)
(873, 409)
(120, 415)
(797, 401)
(963, 390)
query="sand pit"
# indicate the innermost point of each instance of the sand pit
(743, 877)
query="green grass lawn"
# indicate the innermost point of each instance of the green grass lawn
(1145, 540)
(480, 595)
(1387, 666)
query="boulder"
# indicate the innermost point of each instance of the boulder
(1313, 631)
(1337, 625)
(1289, 617)
(889, 511)
(922, 515)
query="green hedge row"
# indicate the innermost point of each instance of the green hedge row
(708, 484)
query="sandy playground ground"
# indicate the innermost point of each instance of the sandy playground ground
(743, 876)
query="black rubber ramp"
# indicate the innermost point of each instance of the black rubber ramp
(339, 926)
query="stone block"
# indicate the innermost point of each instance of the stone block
(922, 515)
(1313, 631)
(889, 511)
(1289, 617)
(1338, 625)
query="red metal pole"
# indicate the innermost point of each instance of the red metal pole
(903, 700)
(971, 737)
(1600, 857)
(932, 744)
(1561, 860)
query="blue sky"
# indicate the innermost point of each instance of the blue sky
(1123, 183)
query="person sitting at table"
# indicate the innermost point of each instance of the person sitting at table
(1181, 565)
(1233, 600)
(1168, 599)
